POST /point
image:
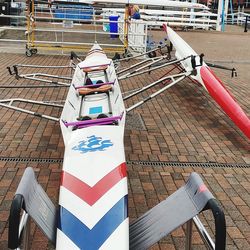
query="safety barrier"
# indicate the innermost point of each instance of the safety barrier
(238, 18)
(181, 18)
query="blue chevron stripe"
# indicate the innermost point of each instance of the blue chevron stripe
(92, 239)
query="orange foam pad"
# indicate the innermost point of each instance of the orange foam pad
(101, 89)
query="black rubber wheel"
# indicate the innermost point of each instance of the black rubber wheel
(102, 116)
(28, 53)
(84, 118)
(116, 56)
(33, 51)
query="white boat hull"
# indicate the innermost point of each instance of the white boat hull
(93, 191)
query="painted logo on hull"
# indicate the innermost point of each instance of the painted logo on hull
(93, 144)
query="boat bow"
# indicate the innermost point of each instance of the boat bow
(213, 85)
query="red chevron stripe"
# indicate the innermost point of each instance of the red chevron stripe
(92, 194)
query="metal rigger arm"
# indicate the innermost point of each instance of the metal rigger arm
(9, 103)
(174, 78)
(36, 76)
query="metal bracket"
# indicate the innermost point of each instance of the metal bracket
(74, 55)
(14, 72)
(193, 61)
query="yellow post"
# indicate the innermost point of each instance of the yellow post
(28, 23)
(126, 23)
(33, 23)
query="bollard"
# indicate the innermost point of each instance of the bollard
(245, 30)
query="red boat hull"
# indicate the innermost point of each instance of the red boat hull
(225, 100)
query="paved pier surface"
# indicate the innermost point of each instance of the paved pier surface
(183, 125)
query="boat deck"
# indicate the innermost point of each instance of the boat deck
(179, 132)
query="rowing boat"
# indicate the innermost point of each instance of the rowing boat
(165, 3)
(93, 204)
(211, 83)
(93, 190)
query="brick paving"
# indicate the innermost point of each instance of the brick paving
(182, 125)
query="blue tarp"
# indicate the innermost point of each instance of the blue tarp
(73, 12)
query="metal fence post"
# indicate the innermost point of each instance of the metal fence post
(188, 243)
(26, 235)
(245, 30)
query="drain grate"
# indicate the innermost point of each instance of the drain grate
(38, 160)
(134, 121)
(143, 163)
(189, 164)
